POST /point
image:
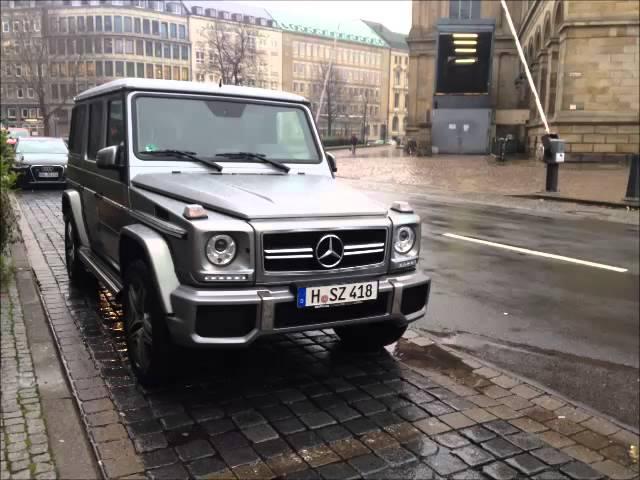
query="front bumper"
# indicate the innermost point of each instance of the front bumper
(239, 316)
(29, 175)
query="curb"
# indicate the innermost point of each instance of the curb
(582, 201)
(463, 355)
(23, 227)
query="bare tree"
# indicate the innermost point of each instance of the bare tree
(327, 76)
(231, 53)
(29, 49)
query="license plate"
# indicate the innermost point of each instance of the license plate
(48, 174)
(337, 294)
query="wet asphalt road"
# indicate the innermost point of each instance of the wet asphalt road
(572, 328)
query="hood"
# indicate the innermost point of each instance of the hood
(263, 196)
(42, 158)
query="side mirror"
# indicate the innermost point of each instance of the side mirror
(108, 158)
(332, 162)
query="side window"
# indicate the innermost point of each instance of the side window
(115, 123)
(96, 128)
(78, 122)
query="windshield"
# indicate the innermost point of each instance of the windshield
(18, 133)
(211, 127)
(42, 146)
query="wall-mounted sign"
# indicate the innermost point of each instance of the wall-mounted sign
(452, 126)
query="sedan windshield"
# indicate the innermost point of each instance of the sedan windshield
(213, 127)
(42, 146)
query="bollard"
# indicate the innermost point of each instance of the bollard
(551, 183)
(633, 185)
(552, 152)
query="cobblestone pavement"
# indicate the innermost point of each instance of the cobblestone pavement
(24, 446)
(483, 174)
(298, 406)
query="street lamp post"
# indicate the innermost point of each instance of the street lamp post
(364, 118)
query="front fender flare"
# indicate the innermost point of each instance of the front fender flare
(159, 259)
(72, 198)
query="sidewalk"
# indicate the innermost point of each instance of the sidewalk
(24, 446)
(476, 174)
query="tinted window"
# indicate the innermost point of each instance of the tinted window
(77, 128)
(115, 126)
(96, 126)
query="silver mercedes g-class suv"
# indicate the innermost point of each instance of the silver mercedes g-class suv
(214, 213)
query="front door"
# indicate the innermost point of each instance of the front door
(461, 130)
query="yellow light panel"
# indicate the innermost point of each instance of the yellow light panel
(466, 60)
(465, 42)
(465, 50)
(465, 35)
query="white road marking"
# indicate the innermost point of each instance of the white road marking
(536, 253)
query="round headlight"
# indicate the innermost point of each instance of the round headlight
(221, 250)
(404, 240)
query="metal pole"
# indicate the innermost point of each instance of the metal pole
(633, 185)
(326, 77)
(526, 67)
(551, 182)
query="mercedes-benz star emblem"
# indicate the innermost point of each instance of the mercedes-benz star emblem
(329, 251)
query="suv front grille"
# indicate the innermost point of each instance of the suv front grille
(298, 251)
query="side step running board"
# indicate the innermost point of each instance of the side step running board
(101, 270)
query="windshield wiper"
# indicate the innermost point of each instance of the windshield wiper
(256, 156)
(185, 154)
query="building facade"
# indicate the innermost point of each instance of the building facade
(85, 43)
(355, 101)
(584, 58)
(469, 84)
(207, 21)
(398, 104)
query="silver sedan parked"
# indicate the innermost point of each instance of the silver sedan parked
(40, 161)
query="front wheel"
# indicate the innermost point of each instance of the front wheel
(370, 336)
(147, 336)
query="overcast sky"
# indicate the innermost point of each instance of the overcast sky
(395, 14)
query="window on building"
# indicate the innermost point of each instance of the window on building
(118, 48)
(97, 45)
(140, 70)
(137, 25)
(119, 69)
(185, 74)
(406, 101)
(72, 24)
(167, 72)
(117, 23)
(173, 30)
(182, 32)
(394, 124)
(11, 112)
(108, 26)
(146, 29)
(464, 9)
(175, 52)
(166, 50)
(99, 69)
(128, 47)
(96, 128)
(148, 48)
(30, 92)
(128, 25)
(149, 70)
(131, 69)
(80, 46)
(98, 23)
(5, 27)
(91, 69)
(108, 68)
(164, 30)
(155, 27)
(80, 23)
(158, 49)
(396, 100)
(184, 52)
(140, 47)
(158, 69)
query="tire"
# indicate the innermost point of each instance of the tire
(76, 272)
(370, 337)
(148, 340)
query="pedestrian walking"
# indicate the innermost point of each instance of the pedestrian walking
(354, 142)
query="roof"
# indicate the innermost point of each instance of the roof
(343, 29)
(188, 87)
(397, 41)
(231, 7)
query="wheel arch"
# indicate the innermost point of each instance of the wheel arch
(140, 241)
(72, 208)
